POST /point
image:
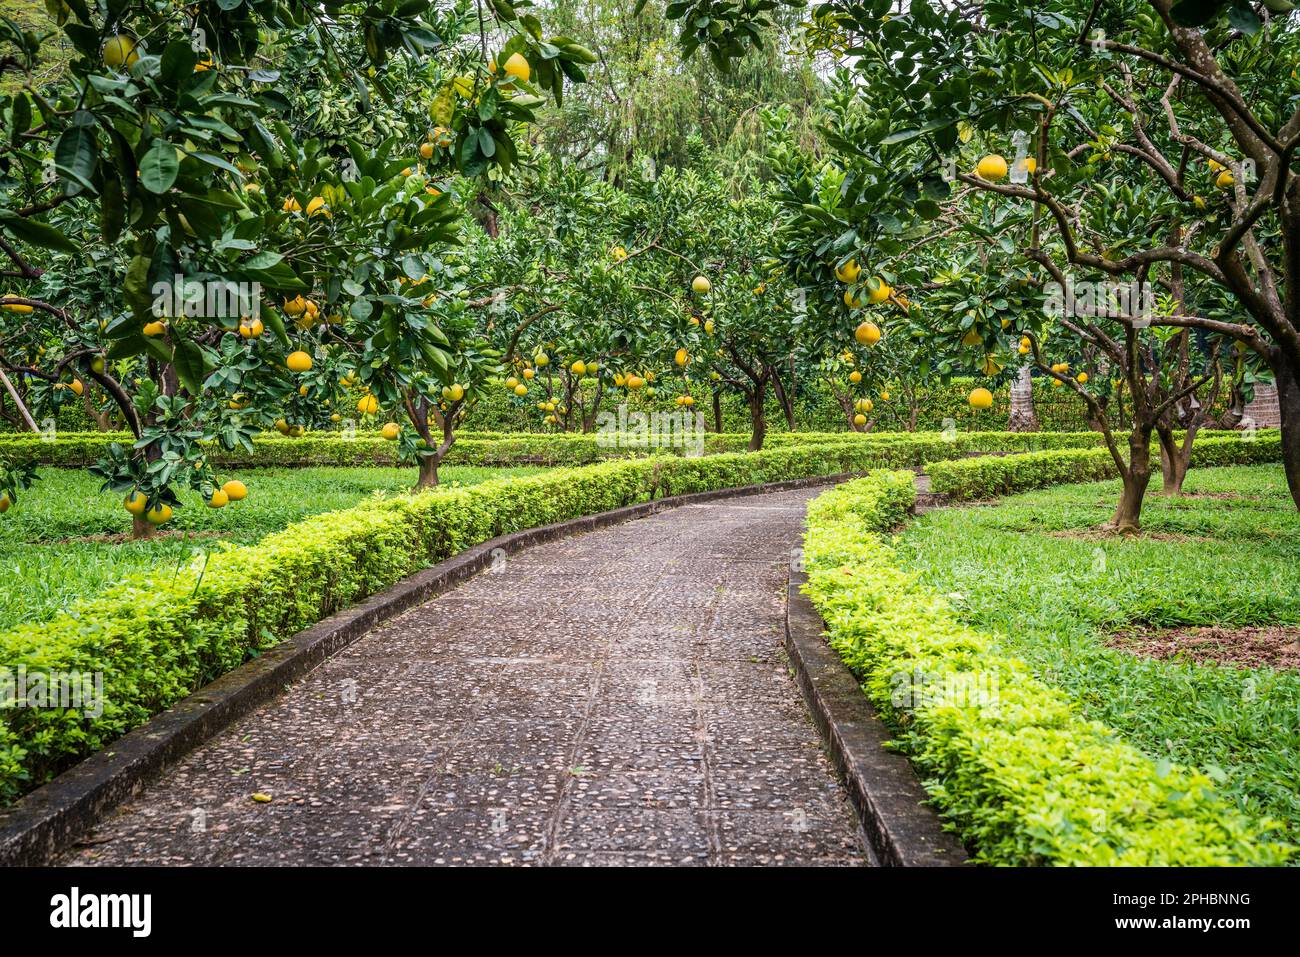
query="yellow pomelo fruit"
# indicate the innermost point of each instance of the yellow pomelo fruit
(867, 333)
(992, 168)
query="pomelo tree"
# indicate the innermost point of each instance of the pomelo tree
(1187, 105)
(251, 148)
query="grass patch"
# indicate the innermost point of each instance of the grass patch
(1028, 572)
(60, 542)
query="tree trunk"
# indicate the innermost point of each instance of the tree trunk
(1174, 461)
(717, 411)
(1023, 416)
(757, 418)
(1128, 515)
(142, 528)
(428, 472)
(1288, 400)
(786, 400)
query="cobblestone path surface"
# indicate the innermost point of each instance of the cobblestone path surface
(621, 697)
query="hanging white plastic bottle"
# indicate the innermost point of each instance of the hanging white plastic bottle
(1019, 168)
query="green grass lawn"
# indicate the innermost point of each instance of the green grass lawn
(1028, 572)
(50, 555)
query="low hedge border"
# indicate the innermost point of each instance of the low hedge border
(159, 636)
(990, 476)
(502, 449)
(48, 820)
(1011, 765)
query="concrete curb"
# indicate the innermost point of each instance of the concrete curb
(50, 818)
(885, 791)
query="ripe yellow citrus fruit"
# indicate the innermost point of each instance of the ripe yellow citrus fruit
(219, 499)
(884, 397)
(235, 490)
(521, 390)
(848, 272)
(867, 333)
(855, 376)
(426, 151)
(456, 392)
(251, 328)
(541, 359)
(76, 386)
(368, 405)
(135, 502)
(1081, 378)
(1031, 165)
(517, 67)
(972, 338)
(578, 368)
(391, 431)
(880, 293)
(317, 205)
(991, 366)
(635, 382)
(529, 373)
(120, 51)
(981, 398)
(708, 326)
(1224, 180)
(681, 357)
(298, 361)
(159, 514)
(154, 328)
(701, 285)
(859, 419)
(992, 168)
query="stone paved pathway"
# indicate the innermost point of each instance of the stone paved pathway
(617, 698)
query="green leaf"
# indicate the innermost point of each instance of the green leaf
(36, 233)
(75, 154)
(188, 361)
(158, 167)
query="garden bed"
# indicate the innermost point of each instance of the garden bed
(1208, 597)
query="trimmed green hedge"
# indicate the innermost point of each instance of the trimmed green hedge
(159, 636)
(1011, 765)
(80, 449)
(990, 476)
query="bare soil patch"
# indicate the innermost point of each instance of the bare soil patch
(1100, 534)
(1255, 646)
(122, 538)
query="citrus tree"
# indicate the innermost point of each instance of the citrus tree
(1161, 133)
(243, 162)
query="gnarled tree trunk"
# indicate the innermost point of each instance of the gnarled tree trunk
(1128, 514)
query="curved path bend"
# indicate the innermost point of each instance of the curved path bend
(621, 697)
